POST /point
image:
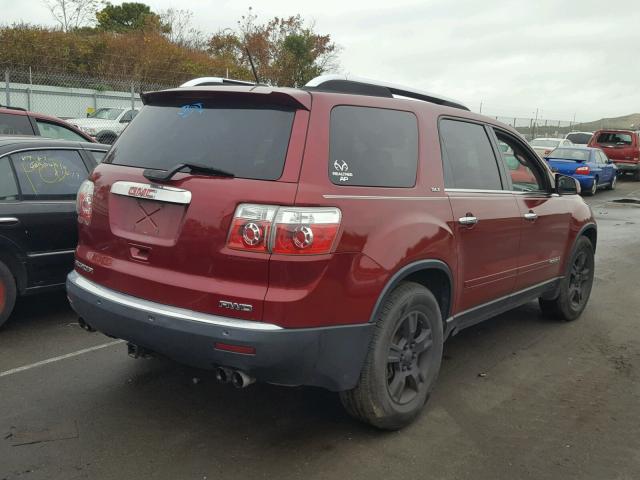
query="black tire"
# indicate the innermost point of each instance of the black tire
(636, 175)
(7, 293)
(398, 375)
(575, 287)
(594, 188)
(612, 184)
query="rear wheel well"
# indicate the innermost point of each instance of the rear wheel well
(592, 235)
(438, 283)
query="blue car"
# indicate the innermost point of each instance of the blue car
(590, 166)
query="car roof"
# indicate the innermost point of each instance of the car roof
(549, 138)
(31, 141)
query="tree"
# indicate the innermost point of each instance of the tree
(177, 27)
(126, 17)
(286, 51)
(72, 14)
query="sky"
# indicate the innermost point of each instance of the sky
(563, 58)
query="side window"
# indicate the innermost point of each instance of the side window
(8, 186)
(469, 161)
(49, 174)
(98, 155)
(128, 116)
(15, 124)
(603, 157)
(373, 147)
(51, 130)
(522, 168)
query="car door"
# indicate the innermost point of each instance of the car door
(12, 236)
(543, 215)
(486, 219)
(608, 170)
(48, 179)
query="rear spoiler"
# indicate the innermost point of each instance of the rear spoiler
(259, 95)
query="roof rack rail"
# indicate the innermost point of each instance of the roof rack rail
(219, 81)
(365, 86)
(13, 108)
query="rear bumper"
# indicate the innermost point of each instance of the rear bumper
(627, 167)
(329, 357)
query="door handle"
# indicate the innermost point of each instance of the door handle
(8, 221)
(468, 220)
(531, 216)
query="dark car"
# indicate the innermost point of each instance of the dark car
(622, 147)
(17, 121)
(39, 179)
(331, 236)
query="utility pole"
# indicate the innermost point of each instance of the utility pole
(480, 106)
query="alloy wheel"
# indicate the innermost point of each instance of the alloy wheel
(579, 280)
(407, 357)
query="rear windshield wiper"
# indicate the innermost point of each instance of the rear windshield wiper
(166, 175)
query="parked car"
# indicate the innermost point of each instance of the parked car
(39, 179)
(544, 146)
(331, 236)
(590, 166)
(18, 121)
(105, 124)
(622, 147)
(579, 138)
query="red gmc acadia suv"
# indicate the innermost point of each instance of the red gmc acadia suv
(333, 235)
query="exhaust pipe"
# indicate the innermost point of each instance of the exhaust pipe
(85, 326)
(136, 351)
(239, 379)
(223, 375)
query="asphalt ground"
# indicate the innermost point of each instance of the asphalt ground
(518, 397)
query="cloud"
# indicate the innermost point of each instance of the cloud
(575, 57)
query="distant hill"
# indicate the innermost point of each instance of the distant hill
(631, 122)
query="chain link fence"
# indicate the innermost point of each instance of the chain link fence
(103, 106)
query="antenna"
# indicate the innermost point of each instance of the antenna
(253, 67)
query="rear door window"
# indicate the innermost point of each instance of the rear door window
(469, 161)
(373, 147)
(51, 130)
(248, 141)
(49, 174)
(15, 125)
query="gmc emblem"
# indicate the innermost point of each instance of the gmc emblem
(142, 192)
(242, 307)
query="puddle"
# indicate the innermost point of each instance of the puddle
(633, 201)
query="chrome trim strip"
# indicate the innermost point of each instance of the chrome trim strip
(472, 190)
(167, 310)
(505, 297)
(148, 191)
(47, 254)
(376, 197)
(8, 220)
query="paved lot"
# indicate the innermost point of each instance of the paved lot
(557, 401)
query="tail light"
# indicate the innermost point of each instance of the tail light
(583, 170)
(284, 230)
(84, 202)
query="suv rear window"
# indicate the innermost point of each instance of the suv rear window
(248, 141)
(373, 147)
(15, 125)
(614, 138)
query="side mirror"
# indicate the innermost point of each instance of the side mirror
(125, 120)
(566, 185)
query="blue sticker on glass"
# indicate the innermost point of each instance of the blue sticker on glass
(186, 110)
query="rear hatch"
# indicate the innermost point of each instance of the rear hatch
(619, 146)
(567, 160)
(166, 241)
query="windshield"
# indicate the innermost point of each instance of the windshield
(579, 138)
(247, 141)
(107, 113)
(571, 154)
(615, 138)
(547, 143)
